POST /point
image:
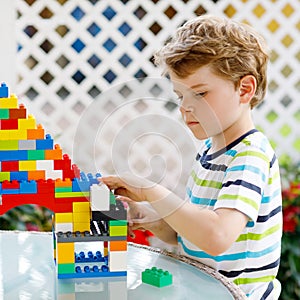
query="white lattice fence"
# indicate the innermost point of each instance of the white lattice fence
(81, 64)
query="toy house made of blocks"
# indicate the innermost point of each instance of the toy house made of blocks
(33, 170)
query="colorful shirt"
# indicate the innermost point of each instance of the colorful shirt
(243, 176)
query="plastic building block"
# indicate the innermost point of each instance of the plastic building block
(3, 90)
(99, 197)
(157, 277)
(34, 171)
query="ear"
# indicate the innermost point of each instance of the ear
(247, 88)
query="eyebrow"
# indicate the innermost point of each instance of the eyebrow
(197, 85)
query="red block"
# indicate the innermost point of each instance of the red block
(9, 166)
(9, 124)
(18, 113)
(10, 184)
(63, 164)
(46, 187)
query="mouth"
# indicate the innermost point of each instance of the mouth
(191, 123)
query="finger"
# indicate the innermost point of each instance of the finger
(125, 199)
(112, 182)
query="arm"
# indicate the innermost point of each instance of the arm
(212, 231)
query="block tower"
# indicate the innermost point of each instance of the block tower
(33, 170)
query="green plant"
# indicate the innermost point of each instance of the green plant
(289, 270)
(27, 217)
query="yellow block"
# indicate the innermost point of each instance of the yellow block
(4, 134)
(27, 165)
(83, 217)
(81, 226)
(65, 253)
(18, 134)
(81, 206)
(11, 102)
(28, 123)
(64, 217)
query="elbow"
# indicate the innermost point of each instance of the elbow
(216, 244)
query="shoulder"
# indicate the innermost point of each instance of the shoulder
(256, 146)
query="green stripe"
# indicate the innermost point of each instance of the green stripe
(276, 176)
(253, 153)
(240, 198)
(72, 194)
(206, 183)
(257, 236)
(253, 280)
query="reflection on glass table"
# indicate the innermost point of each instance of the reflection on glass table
(28, 272)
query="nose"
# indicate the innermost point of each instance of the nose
(185, 107)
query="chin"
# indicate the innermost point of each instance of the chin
(200, 135)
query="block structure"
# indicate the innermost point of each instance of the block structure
(34, 170)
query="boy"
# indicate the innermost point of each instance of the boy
(231, 219)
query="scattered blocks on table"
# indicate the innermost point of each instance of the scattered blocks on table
(157, 277)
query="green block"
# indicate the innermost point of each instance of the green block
(157, 277)
(66, 268)
(4, 113)
(63, 189)
(112, 198)
(9, 145)
(4, 176)
(36, 154)
(118, 231)
(72, 194)
(117, 223)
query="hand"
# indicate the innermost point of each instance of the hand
(140, 215)
(128, 185)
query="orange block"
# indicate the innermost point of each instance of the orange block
(118, 246)
(36, 134)
(36, 175)
(53, 153)
(63, 183)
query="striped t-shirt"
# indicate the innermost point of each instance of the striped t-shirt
(243, 176)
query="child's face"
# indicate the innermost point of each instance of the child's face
(209, 104)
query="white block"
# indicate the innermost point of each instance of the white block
(117, 261)
(99, 197)
(63, 227)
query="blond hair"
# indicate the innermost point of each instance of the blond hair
(232, 49)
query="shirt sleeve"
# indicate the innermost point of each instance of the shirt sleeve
(244, 181)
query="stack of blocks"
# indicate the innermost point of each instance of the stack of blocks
(33, 170)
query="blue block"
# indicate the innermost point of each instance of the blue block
(90, 257)
(21, 175)
(92, 179)
(10, 191)
(92, 274)
(28, 187)
(13, 155)
(45, 144)
(3, 90)
(80, 186)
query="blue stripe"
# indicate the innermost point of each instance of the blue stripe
(267, 199)
(248, 168)
(268, 291)
(231, 152)
(201, 201)
(274, 212)
(229, 257)
(274, 159)
(244, 184)
(236, 273)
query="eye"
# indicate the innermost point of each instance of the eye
(200, 94)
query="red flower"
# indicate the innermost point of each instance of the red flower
(290, 218)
